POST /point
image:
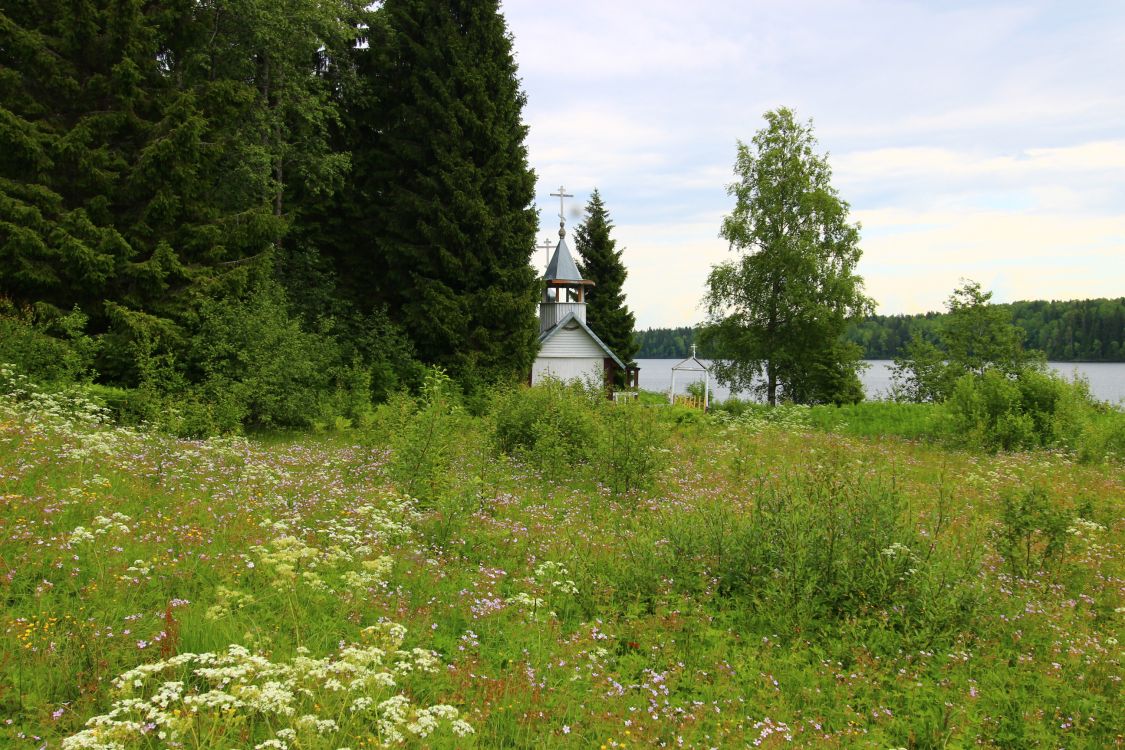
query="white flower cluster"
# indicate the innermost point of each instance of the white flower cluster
(372, 573)
(285, 555)
(295, 702)
(1083, 527)
(549, 576)
(227, 600)
(115, 522)
(392, 520)
(555, 574)
(898, 549)
(102, 525)
(290, 559)
(526, 603)
(97, 443)
(65, 409)
(784, 417)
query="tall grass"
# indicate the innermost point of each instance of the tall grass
(757, 582)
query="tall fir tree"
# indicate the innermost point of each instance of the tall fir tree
(76, 107)
(446, 224)
(606, 312)
(157, 150)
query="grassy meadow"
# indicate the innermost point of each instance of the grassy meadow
(553, 573)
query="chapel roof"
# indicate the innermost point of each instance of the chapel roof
(562, 268)
(568, 322)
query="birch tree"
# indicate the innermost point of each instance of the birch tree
(777, 312)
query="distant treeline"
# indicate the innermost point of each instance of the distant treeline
(1091, 330)
(665, 343)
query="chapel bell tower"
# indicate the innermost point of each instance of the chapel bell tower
(564, 291)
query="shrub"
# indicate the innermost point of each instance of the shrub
(628, 452)
(986, 412)
(423, 434)
(1032, 408)
(1031, 533)
(825, 549)
(1102, 436)
(45, 345)
(550, 423)
(698, 390)
(257, 351)
(559, 426)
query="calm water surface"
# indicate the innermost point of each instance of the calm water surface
(1107, 379)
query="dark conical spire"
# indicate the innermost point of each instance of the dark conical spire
(562, 266)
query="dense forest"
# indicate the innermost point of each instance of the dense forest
(1091, 330)
(665, 343)
(263, 213)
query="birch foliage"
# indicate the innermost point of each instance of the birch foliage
(778, 310)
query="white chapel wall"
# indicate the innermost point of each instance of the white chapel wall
(571, 343)
(570, 354)
(567, 368)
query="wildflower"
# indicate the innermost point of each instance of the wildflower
(898, 548)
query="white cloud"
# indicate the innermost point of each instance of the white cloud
(918, 258)
(668, 264)
(925, 163)
(589, 146)
(912, 260)
(976, 139)
(617, 40)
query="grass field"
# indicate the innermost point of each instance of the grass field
(769, 585)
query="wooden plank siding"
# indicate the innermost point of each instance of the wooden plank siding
(567, 368)
(550, 314)
(571, 342)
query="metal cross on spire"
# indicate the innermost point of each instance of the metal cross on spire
(562, 221)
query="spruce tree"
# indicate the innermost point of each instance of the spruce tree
(606, 312)
(74, 109)
(158, 153)
(447, 226)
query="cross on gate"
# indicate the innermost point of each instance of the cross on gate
(546, 251)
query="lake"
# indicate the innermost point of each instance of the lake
(1107, 379)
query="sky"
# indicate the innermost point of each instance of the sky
(972, 140)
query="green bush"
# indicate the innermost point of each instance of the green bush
(47, 346)
(550, 423)
(251, 361)
(1102, 436)
(423, 434)
(986, 411)
(256, 350)
(1032, 532)
(825, 549)
(1030, 409)
(629, 442)
(559, 427)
